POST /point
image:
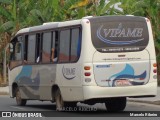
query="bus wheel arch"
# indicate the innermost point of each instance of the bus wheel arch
(57, 97)
(16, 93)
(53, 92)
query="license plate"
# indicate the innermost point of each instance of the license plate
(122, 83)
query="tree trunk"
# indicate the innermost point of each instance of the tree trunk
(7, 38)
(5, 65)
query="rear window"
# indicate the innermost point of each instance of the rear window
(119, 33)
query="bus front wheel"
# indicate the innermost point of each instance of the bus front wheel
(19, 100)
(116, 104)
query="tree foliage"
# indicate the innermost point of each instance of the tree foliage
(18, 14)
(149, 9)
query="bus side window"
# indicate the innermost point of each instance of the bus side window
(75, 44)
(18, 51)
(64, 50)
(31, 50)
(46, 47)
(11, 51)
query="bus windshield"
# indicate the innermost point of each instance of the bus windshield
(122, 34)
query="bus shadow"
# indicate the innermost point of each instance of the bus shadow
(44, 107)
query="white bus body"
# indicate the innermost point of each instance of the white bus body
(116, 60)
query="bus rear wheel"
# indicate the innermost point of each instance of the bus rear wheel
(60, 104)
(19, 100)
(116, 104)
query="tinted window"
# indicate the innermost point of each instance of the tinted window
(53, 40)
(18, 51)
(46, 47)
(75, 44)
(16, 47)
(64, 46)
(118, 34)
(31, 48)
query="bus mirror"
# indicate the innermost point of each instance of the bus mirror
(11, 47)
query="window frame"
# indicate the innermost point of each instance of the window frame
(13, 56)
(18, 50)
(35, 48)
(80, 38)
(25, 47)
(58, 41)
(38, 47)
(80, 35)
(58, 29)
(69, 44)
(41, 46)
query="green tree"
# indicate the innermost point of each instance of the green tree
(18, 14)
(101, 8)
(149, 9)
(76, 9)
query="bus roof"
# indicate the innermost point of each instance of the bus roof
(49, 25)
(117, 17)
(37, 28)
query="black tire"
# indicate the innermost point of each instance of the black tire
(116, 104)
(19, 100)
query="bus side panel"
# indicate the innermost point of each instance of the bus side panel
(34, 81)
(87, 53)
(47, 79)
(69, 81)
(27, 79)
